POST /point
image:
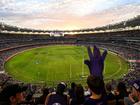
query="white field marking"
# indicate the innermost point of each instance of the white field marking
(104, 69)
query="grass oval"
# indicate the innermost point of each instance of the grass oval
(59, 63)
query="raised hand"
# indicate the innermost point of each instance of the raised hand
(96, 61)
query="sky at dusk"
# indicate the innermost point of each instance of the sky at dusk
(66, 14)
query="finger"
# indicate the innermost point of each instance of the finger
(90, 53)
(97, 53)
(104, 55)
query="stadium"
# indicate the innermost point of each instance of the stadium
(44, 57)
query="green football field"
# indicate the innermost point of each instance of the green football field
(51, 64)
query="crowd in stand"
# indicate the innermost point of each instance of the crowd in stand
(111, 93)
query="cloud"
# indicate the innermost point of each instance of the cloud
(5, 2)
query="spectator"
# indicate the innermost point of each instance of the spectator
(71, 91)
(130, 100)
(59, 97)
(113, 84)
(110, 95)
(120, 93)
(96, 85)
(87, 92)
(41, 99)
(79, 96)
(12, 95)
(136, 91)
